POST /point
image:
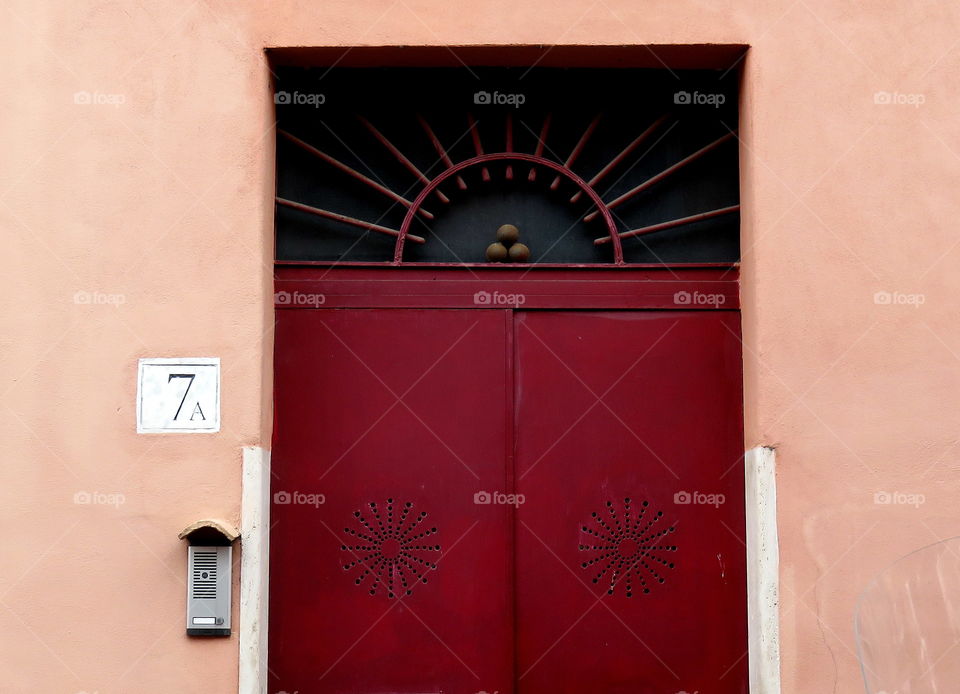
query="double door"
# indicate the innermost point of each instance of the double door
(497, 500)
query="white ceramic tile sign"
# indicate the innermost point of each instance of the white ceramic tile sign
(178, 396)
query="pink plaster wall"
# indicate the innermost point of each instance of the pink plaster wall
(164, 200)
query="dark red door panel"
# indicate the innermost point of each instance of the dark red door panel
(394, 580)
(630, 558)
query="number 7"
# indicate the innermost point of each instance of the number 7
(191, 377)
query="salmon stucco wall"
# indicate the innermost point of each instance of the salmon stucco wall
(136, 184)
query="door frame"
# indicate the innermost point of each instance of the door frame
(707, 287)
(700, 287)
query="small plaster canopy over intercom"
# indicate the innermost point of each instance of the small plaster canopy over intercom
(209, 563)
(203, 531)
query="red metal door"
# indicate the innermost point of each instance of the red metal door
(394, 580)
(630, 563)
(621, 429)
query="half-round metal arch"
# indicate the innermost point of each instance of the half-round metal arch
(562, 170)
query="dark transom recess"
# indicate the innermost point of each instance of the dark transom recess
(361, 144)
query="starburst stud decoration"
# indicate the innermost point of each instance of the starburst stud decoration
(626, 547)
(391, 549)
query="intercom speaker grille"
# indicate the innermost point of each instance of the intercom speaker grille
(204, 575)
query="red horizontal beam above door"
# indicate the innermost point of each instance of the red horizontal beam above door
(701, 287)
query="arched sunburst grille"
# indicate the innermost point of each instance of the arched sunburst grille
(423, 165)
